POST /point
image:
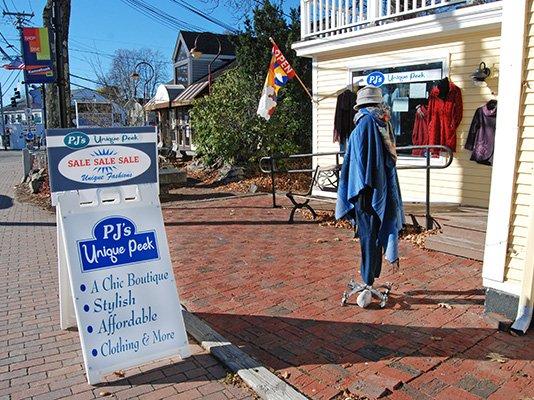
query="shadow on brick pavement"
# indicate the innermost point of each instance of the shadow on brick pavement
(274, 289)
(40, 361)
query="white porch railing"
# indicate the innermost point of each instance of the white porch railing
(332, 17)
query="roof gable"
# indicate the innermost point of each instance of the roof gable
(206, 43)
(179, 46)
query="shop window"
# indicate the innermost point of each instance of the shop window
(405, 88)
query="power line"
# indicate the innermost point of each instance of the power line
(112, 56)
(11, 84)
(9, 77)
(110, 41)
(6, 8)
(84, 87)
(166, 24)
(205, 16)
(9, 45)
(85, 79)
(6, 56)
(159, 15)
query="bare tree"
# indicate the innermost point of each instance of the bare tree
(116, 81)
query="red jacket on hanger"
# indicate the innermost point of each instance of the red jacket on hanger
(420, 129)
(444, 114)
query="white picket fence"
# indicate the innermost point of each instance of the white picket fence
(331, 17)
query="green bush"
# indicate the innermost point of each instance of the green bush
(225, 122)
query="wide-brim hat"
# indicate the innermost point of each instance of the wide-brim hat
(369, 95)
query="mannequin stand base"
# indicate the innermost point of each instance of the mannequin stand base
(353, 287)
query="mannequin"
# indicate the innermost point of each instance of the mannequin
(368, 192)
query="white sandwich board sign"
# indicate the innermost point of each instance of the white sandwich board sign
(116, 280)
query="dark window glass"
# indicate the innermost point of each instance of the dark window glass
(182, 54)
(181, 75)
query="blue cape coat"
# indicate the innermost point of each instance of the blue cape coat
(367, 163)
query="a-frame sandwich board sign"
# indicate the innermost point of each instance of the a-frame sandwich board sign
(116, 281)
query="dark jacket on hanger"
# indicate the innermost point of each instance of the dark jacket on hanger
(481, 137)
(344, 117)
(445, 112)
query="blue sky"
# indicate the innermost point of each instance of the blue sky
(102, 26)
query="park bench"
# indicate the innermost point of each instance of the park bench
(323, 178)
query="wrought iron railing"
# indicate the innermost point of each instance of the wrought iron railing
(269, 165)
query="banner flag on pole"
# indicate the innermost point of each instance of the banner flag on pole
(279, 73)
(39, 67)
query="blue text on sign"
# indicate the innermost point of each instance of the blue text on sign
(115, 242)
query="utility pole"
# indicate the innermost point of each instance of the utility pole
(43, 99)
(60, 68)
(21, 18)
(56, 17)
(3, 131)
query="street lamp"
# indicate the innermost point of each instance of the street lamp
(196, 53)
(135, 76)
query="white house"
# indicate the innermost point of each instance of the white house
(349, 39)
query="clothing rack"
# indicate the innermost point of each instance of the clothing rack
(269, 165)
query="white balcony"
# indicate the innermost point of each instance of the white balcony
(326, 18)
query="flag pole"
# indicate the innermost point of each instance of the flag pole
(296, 75)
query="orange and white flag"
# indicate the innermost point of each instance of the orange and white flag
(279, 73)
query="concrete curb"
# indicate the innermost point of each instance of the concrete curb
(266, 384)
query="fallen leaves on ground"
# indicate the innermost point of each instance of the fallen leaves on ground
(411, 234)
(41, 199)
(231, 379)
(496, 357)
(299, 182)
(326, 218)
(436, 338)
(120, 373)
(104, 394)
(235, 380)
(445, 305)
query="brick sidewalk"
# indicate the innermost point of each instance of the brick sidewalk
(40, 361)
(274, 289)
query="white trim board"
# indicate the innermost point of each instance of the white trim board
(511, 72)
(402, 59)
(466, 19)
(509, 287)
